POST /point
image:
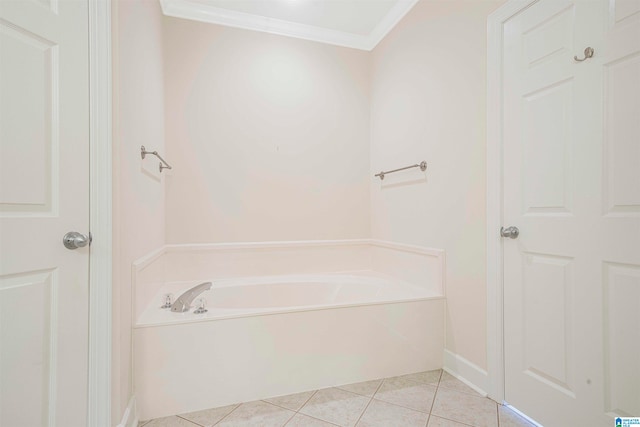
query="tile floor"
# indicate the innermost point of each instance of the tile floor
(433, 399)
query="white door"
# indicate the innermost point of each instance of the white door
(571, 170)
(44, 193)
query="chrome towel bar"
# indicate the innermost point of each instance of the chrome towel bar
(422, 165)
(163, 162)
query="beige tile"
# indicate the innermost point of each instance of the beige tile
(383, 414)
(301, 420)
(170, 422)
(442, 422)
(209, 417)
(141, 423)
(408, 393)
(465, 408)
(452, 383)
(258, 413)
(508, 418)
(427, 377)
(367, 388)
(291, 401)
(336, 406)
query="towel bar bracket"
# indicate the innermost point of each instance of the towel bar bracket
(163, 162)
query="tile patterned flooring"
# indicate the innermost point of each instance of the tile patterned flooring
(425, 399)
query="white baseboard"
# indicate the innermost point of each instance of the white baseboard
(467, 372)
(130, 416)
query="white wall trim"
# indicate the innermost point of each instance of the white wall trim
(207, 13)
(495, 302)
(130, 416)
(100, 217)
(465, 371)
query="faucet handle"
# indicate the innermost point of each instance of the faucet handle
(202, 304)
(168, 301)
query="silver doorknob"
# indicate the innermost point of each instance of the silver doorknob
(510, 232)
(74, 240)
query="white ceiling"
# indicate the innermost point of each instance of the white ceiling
(359, 24)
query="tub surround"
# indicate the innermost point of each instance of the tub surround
(378, 312)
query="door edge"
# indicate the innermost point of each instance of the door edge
(100, 217)
(494, 277)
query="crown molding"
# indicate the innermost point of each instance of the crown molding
(390, 20)
(201, 12)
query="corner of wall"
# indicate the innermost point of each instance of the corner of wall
(467, 372)
(130, 416)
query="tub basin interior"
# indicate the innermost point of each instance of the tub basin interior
(237, 297)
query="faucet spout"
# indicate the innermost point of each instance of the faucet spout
(183, 303)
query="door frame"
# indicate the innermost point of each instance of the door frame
(495, 281)
(100, 215)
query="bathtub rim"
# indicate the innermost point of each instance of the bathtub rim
(146, 260)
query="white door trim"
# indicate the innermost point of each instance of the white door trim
(100, 260)
(495, 301)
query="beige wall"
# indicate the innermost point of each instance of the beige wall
(274, 138)
(268, 136)
(428, 96)
(139, 219)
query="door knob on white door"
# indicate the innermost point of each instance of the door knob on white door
(74, 240)
(511, 232)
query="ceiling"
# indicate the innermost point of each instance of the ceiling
(359, 24)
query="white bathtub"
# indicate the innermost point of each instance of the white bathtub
(252, 296)
(276, 334)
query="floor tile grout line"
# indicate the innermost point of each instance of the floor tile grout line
(415, 381)
(365, 395)
(279, 406)
(297, 411)
(449, 419)
(401, 406)
(433, 402)
(470, 393)
(307, 401)
(230, 412)
(315, 418)
(350, 392)
(455, 421)
(189, 421)
(369, 402)
(363, 411)
(371, 398)
(378, 389)
(186, 419)
(293, 414)
(458, 391)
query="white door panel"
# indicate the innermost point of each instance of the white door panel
(44, 183)
(571, 184)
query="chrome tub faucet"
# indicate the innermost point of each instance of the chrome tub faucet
(183, 303)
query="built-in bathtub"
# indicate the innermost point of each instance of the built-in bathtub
(319, 314)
